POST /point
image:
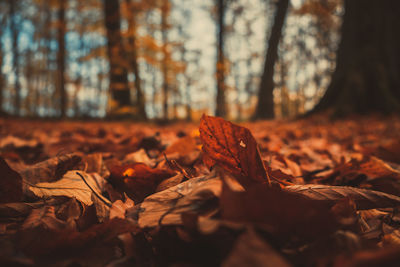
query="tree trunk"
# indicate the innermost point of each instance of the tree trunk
(265, 104)
(61, 57)
(2, 79)
(140, 99)
(188, 106)
(119, 87)
(43, 94)
(221, 109)
(366, 78)
(15, 52)
(164, 67)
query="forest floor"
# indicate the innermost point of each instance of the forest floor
(311, 192)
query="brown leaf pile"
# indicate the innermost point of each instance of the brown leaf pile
(304, 193)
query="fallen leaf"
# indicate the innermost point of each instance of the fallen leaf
(166, 207)
(55, 242)
(22, 209)
(118, 208)
(17, 142)
(71, 210)
(70, 185)
(285, 214)
(185, 149)
(251, 250)
(233, 148)
(94, 163)
(44, 217)
(377, 257)
(368, 167)
(170, 182)
(51, 169)
(10, 183)
(139, 156)
(364, 198)
(138, 180)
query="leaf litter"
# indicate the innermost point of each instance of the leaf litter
(306, 193)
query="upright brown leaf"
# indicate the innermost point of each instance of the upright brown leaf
(233, 148)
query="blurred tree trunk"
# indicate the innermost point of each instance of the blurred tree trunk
(265, 104)
(236, 78)
(164, 67)
(2, 79)
(153, 85)
(134, 60)
(15, 54)
(119, 87)
(1, 76)
(366, 78)
(61, 57)
(31, 78)
(285, 99)
(78, 82)
(221, 109)
(41, 99)
(188, 106)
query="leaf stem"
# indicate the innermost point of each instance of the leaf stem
(103, 199)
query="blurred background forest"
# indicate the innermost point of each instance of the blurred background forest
(172, 59)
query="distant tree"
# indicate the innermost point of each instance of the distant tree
(265, 104)
(221, 108)
(13, 6)
(118, 74)
(133, 55)
(314, 44)
(42, 96)
(366, 78)
(61, 29)
(165, 10)
(2, 78)
(169, 67)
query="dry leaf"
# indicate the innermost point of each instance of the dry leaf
(139, 156)
(138, 180)
(21, 209)
(94, 163)
(71, 185)
(250, 250)
(364, 199)
(42, 242)
(10, 183)
(170, 182)
(43, 217)
(233, 148)
(118, 208)
(284, 213)
(17, 142)
(51, 169)
(166, 207)
(184, 150)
